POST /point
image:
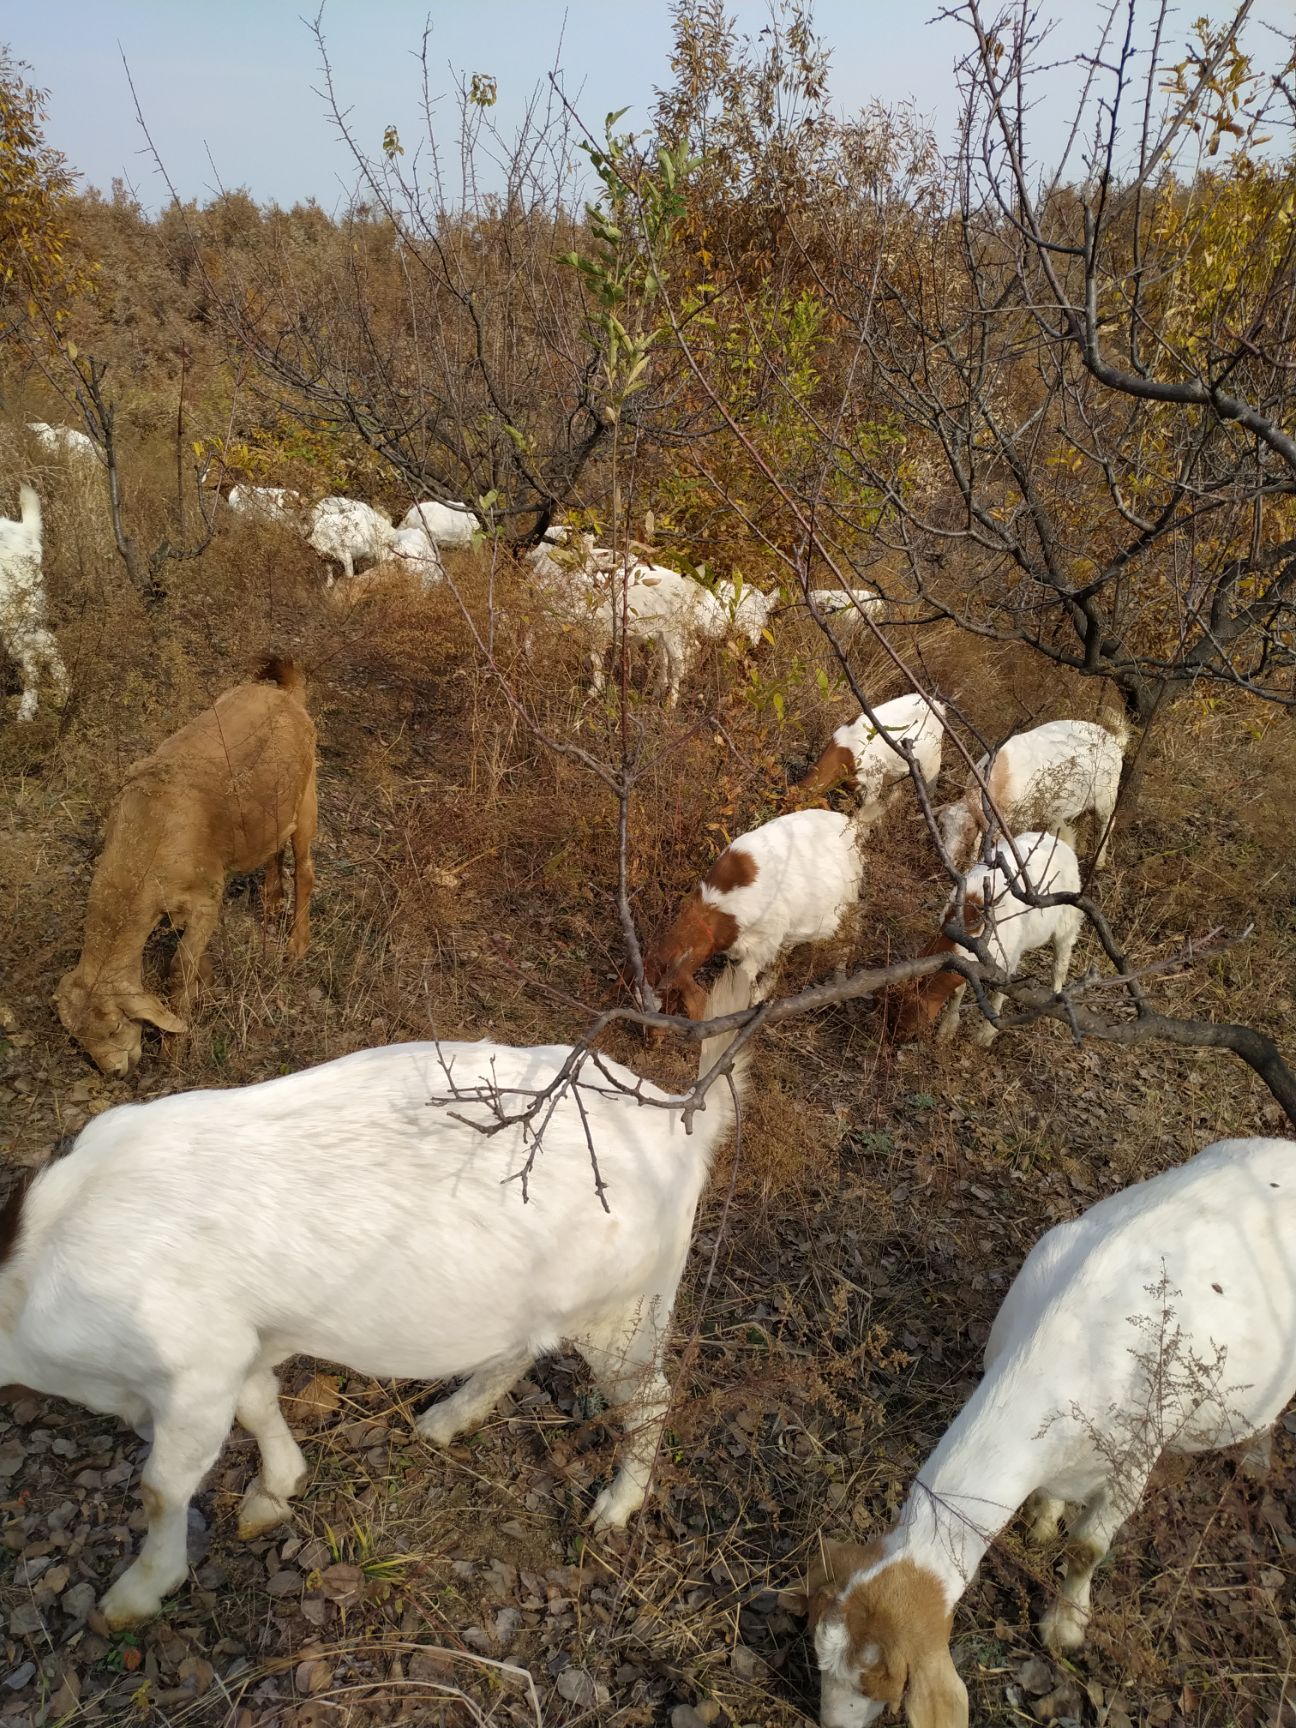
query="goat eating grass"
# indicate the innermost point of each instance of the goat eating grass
(389, 1211)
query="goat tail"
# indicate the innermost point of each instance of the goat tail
(30, 505)
(1116, 723)
(732, 991)
(284, 671)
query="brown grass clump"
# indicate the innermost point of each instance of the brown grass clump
(850, 1253)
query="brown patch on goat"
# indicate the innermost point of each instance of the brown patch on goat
(734, 868)
(698, 932)
(11, 1216)
(919, 1004)
(897, 1629)
(835, 767)
(283, 670)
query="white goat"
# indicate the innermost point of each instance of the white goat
(1048, 777)
(64, 442)
(995, 907)
(747, 608)
(350, 533)
(860, 755)
(833, 602)
(790, 881)
(185, 1247)
(676, 614)
(1163, 1319)
(417, 551)
(444, 524)
(22, 605)
(267, 504)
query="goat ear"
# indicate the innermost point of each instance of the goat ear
(144, 1005)
(935, 1696)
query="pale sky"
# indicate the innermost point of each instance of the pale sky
(235, 79)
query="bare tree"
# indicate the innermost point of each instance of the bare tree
(1096, 378)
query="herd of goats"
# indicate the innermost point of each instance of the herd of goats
(484, 1204)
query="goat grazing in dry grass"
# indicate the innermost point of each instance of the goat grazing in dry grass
(863, 757)
(1161, 1320)
(1049, 778)
(790, 881)
(443, 524)
(23, 631)
(349, 533)
(164, 1268)
(996, 906)
(225, 793)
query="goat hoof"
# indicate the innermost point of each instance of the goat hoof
(436, 1426)
(1063, 1628)
(613, 1510)
(131, 1600)
(259, 1512)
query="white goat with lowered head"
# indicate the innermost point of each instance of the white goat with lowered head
(65, 442)
(1163, 1319)
(1049, 778)
(349, 533)
(23, 631)
(996, 906)
(187, 1246)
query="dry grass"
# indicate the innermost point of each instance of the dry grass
(881, 1198)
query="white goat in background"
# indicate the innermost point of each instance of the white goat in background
(1049, 778)
(349, 533)
(444, 524)
(187, 1246)
(23, 631)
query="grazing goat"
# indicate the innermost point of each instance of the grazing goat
(678, 615)
(349, 533)
(186, 1247)
(444, 524)
(1162, 1319)
(790, 881)
(415, 549)
(224, 793)
(746, 608)
(857, 602)
(265, 504)
(1046, 778)
(996, 907)
(65, 442)
(861, 757)
(23, 631)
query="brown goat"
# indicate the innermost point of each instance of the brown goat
(223, 794)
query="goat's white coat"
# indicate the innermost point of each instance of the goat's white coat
(677, 614)
(908, 719)
(833, 602)
(65, 442)
(23, 630)
(1013, 928)
(416, 549)
(1162, 1319)
(188, 1245)
(1048, 777)
(349, 532)
(808, 871)
(444, 524)
(267, 504)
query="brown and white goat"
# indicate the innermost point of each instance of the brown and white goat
(791, 881)
(997, 907)
(223, 794)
